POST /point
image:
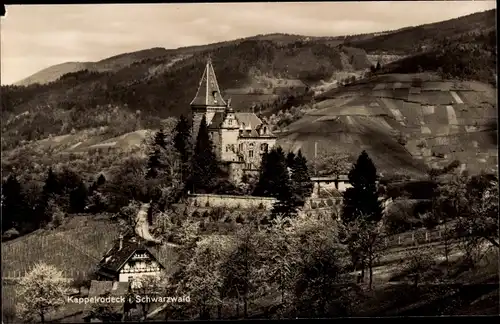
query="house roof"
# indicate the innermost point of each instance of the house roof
(208, 93)
(217, 120)
(248, 119)
(250, 124)
(116, 257)
(103, 288)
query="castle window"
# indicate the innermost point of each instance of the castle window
(230, 121)
(250, 153)
(240, 147)
(264, 147)
(264, 132)
(228, 147)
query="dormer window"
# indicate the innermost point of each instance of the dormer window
(230, 121)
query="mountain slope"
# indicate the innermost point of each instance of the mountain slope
(114, 63)
(471, 56)
(405, 122)
(411, 39)
(160, 87)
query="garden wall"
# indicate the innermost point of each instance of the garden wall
(229, 201)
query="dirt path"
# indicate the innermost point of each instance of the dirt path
(141, 225)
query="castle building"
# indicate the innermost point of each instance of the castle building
(239, 138)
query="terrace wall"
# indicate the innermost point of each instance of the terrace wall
(230, 201)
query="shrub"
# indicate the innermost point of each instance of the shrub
(240, 219)
(329, 202)
(261, 206)
(321, 204)
(10, 234)
(314, 205)
(207, 204)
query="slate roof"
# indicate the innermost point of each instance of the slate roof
(208, 93)
(118, 256)
(102, 288)
(249, 124)
(217, 120)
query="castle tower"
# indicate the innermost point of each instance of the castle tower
(230, 130)
(208, 99)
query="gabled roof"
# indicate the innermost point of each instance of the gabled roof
(116, 258)
(208, 93)
(249, 119)
(103, 288)
(250, 124)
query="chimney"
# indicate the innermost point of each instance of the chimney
(121, 242)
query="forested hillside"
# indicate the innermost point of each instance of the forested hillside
(414, 39)
(469, 57)
(156, 88)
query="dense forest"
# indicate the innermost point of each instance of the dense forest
(411, 39)
(471, 56)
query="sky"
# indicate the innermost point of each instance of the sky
(34, 37)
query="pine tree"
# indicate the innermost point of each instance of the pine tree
(12, 204)
(301, 179)
(290, 160)
(362, 197)
(78, 197)
(378, 66)
(204, 163)
(274, 181)
(182, 139)
(272, 173)
(182, 143)
(101, 180)
(52, 185)
(154, 161)
(160, 139)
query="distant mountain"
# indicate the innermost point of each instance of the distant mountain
(410, 40)
(114, 63)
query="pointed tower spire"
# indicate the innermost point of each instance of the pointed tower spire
(208, 93)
